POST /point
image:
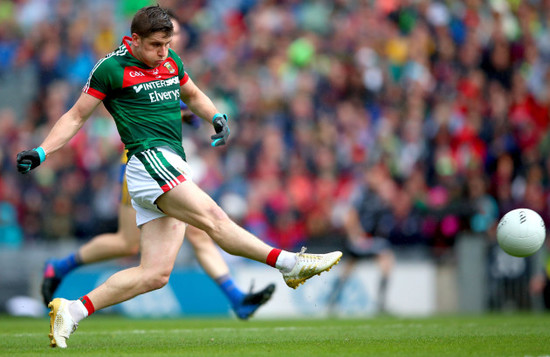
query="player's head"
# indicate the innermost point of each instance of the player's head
(151, 19)
(152, 31)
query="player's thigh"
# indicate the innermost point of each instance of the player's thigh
(189, 203)
(161, 240)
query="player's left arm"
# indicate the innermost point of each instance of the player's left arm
(202, 105)
(197, 101)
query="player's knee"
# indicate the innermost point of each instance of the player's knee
(217, 218)
(157, 280)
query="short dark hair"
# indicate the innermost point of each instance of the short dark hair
(151, 19)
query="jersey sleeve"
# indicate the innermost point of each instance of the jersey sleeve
(98, 84)
(182, 74)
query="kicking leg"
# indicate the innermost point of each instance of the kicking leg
(188, 203)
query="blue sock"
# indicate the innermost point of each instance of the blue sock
(64, 265)
(230, 289)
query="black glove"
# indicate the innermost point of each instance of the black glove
(29, 159)
(222, 130)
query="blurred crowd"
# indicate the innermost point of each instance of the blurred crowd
(439, 108)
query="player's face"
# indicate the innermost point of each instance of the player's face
(151, 50)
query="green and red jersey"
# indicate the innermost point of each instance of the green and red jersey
(143, 101)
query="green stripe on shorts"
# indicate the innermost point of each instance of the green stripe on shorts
(160, 169)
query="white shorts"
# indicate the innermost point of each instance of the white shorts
(151, 173)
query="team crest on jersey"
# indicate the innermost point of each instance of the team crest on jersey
(169, 67)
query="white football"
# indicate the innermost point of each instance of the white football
(521, 232)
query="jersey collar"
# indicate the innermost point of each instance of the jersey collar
(126, 40)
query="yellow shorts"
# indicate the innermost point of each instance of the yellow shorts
(124, 194)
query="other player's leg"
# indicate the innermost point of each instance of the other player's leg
(386, 261)
(244, 304)
(125, 242)
(340, 283)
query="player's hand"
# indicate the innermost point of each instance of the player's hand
(30, 159)
(222, 130)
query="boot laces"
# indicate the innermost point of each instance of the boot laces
(308, 257)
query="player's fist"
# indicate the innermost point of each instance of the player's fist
(222, 130)
(29, 159)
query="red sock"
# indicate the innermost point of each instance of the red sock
(272, 257)
(88, 304)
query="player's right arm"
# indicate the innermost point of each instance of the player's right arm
(70, 123)
(63, 130)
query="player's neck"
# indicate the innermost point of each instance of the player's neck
(136, 54)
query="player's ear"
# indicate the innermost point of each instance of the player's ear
(136, 39)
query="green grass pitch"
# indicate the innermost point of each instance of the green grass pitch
(104, 335)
